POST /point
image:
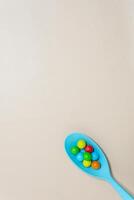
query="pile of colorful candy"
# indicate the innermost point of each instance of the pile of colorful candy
(86, 154)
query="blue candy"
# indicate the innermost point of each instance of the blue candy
(80, 157)
(95, 156)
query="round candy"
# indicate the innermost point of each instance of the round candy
(95, 156)
(75, 150)
(86, 163)
(96, 165)
(89, 149)
(80, 157)
(81, 144)
(87, 156)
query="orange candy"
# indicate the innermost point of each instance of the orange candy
(95, 165)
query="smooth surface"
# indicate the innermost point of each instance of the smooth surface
(64, 66)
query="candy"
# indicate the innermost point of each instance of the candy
(89, 149)
(81, 144)
(95, 165)
(95, 156)
(87, 156)
(80, 157)
(75, 150)
(86, 163)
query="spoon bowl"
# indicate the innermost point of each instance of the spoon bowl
(104, 172)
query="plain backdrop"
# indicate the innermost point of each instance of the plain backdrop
(65, 65)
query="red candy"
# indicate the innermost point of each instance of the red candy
(89, 149)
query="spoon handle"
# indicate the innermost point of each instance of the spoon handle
(122, 192)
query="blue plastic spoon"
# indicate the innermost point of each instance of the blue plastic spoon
(104, 172)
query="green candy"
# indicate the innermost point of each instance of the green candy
(87, 156)
(75, 150)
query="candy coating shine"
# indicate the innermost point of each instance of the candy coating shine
(95, 156)
(87, 156)
(89, 149)
(75, 150)
(96, 165)
(80, 157)
(86, 163)
(81, 144)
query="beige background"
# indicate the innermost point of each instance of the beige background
(65, 65)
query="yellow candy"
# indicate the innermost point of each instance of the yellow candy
(81, 144)
(86, 163)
